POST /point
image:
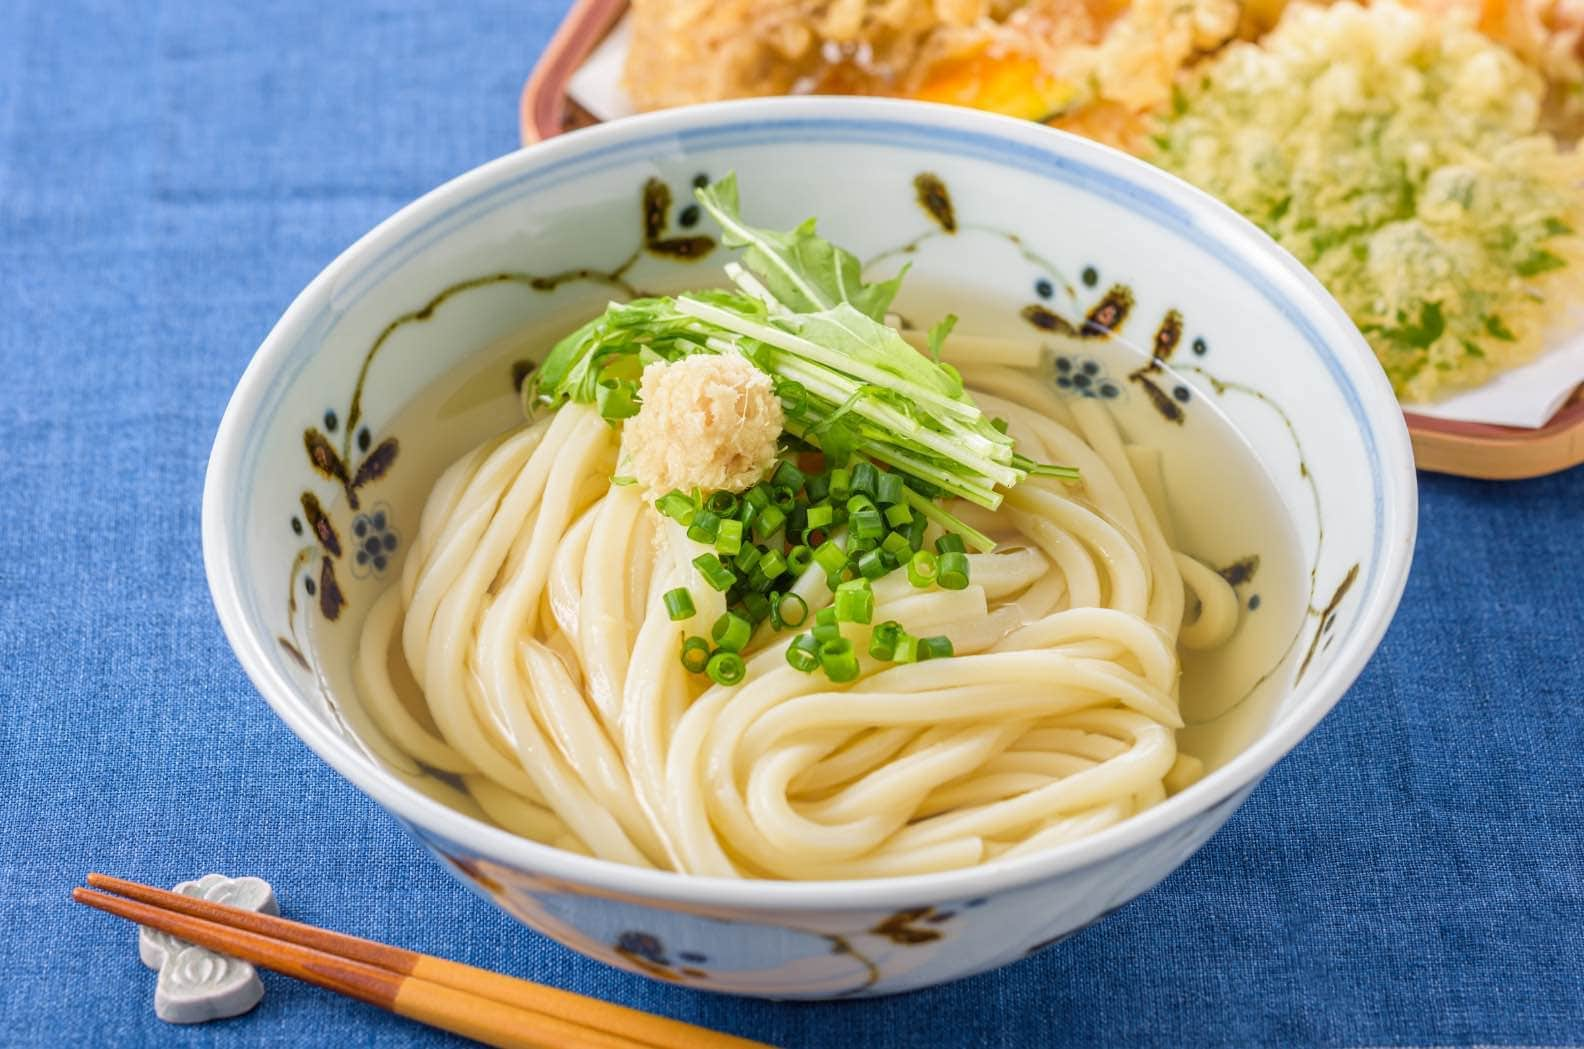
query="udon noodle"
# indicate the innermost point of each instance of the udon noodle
(527, 652)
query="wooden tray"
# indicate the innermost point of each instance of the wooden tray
(546, 109)
(1466, 449)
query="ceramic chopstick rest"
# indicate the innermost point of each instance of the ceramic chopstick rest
(196, 984)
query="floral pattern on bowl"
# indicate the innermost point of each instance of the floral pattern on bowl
(851, 954)
(375, 538)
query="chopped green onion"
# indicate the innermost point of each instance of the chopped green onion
(895, 546)
(706, 525)
(772, 564)
(731, 632)
(938, 647)
(616, 399)
(791, 609)
(726, 668)
(768, 522)
(855, 602)
(722, 502)
(622, 480)
(799, 558)
(865, 478)
(757, 607)
(748, 557)
(883, 642)
(695, 654)
(817, 488)
(898, 515)
(676, 506)
(819, 517)
(867, 523)
(872, 565)
(830, 557)
(888, 490)
(906, 649)
(825, 627)
(757, 497)
(949, 543)
(922, 569)
(728, 537)
(839, 659)
(803, 653)
(792, 392)
(840, 484)
(679, 604)
(717, 575)
(915, 532)
(787, 476)
(952, 573)
(783, 498)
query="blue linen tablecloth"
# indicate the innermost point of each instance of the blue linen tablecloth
(170, 176)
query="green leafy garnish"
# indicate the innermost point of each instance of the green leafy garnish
(849, 384)
(1432, 323)
(1541, 261)
(937, 335)
(805, 272)
(577, 364)
(1498, 330)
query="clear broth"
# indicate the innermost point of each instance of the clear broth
(1224, 510)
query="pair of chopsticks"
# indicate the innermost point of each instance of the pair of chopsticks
(476, 1003)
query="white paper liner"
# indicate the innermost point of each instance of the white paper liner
(597, 85)
(1526, 397)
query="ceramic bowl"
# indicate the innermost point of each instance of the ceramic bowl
(405, 350)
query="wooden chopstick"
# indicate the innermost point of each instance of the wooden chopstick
(459, 998)
(653, 1031)
(482, 1019)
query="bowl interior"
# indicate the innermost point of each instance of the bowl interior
(408, 350)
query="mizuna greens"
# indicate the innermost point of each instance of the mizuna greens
(849, 384)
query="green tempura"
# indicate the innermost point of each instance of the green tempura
(1397, 156)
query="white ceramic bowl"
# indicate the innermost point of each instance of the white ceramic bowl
(315, 414)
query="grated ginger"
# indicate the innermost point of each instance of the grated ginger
(706, 422)
(1398, 156)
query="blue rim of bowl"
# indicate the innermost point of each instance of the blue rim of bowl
(1169, 203)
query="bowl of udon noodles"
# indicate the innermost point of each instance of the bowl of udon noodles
(809, 548)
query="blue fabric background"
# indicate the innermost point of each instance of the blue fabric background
(171, 174)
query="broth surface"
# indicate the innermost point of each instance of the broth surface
(1224, 510)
